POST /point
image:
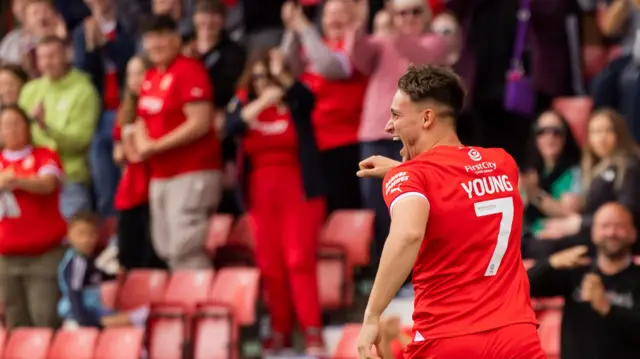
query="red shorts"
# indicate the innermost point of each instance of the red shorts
(516, 341)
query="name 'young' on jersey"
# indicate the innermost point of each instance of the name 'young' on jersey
(468, 276)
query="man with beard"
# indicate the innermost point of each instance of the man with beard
(601, 316)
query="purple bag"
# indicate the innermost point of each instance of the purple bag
(519, 95)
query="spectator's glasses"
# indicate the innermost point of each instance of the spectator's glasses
(416, 11)
(555, 131)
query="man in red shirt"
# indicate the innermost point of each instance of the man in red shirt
(471, 288)
(177, 137)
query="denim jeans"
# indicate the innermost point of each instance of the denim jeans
(104, 173)
(75, 197)
(371, 190)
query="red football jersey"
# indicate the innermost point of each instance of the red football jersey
(272, 138)
(30, 224)
(468, 276)
(161, 105)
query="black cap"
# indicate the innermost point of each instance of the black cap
(158, 23)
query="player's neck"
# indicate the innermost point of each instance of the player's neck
(447, 138)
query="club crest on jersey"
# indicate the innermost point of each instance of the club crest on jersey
(27, 164)
(475, 155)
(393, 184)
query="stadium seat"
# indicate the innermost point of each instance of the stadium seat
(28, 343)
(74, 344)
(351, 230)
(577, 111)
(347, 347)
(335, 280)
(237, 288)
(219, 230)
(549, 332)
(167, 335)
(109, 293)
(215, 333)
(142, 287)
(3, 338)
(187, 288)
(121, 343)
(595, 59)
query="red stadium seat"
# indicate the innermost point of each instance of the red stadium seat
(3, 338)
(219, 230)
(335, 280)
(241, 234)
(595, 59)
(121, 343)
(351, 230)
(215, 333)
(28, 343)
(142, 287)
(347, 347)
(109, 293)
(549, 332)
(577, 111)
(167, 336)
(188, 288)
(74, 344)
(237, 288)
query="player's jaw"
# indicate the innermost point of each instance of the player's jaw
(403, 151)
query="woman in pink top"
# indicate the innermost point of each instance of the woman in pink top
(384, 57)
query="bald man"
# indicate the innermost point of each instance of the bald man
(601, 317)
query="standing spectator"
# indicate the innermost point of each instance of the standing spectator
(135, 249)
(31, 226)
(384, 59)
(65, 107)
(102, 47)
(12, 78)
(601, 317)
(177, 138)
(339, 90)
(11, 42)
(285, 192)
(552, 171)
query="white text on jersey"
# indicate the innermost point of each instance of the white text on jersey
(487, 185)
(482, 167)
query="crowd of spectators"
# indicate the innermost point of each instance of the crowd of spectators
(160, 113)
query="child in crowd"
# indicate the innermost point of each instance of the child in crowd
(80, 274)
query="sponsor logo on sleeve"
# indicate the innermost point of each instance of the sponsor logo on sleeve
(393, 184)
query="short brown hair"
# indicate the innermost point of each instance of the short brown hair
(211, 7)
(17, 71)
(85, 217)
(435, 83)
(52, 39)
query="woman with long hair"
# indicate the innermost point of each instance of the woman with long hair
(135, 249)
(552, 170)
(272, 117)
(610, 173)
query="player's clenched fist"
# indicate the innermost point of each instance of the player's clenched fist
(376, 166)
(570, 258)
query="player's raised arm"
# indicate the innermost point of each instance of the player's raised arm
(409, 209)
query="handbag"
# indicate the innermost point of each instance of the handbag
(519, 95)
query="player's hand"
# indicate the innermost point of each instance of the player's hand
(592, 291)
(570, 258)
(376, 166)
(369, 337)
(272, 95)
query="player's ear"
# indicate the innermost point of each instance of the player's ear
(428, 116)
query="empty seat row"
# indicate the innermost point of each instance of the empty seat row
(84, 343)
(345, 241)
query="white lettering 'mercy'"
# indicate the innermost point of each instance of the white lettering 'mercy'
(487, 185)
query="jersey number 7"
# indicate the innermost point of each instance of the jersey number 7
(503, 206)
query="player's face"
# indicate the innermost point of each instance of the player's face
(14, 130)
(602, 137)
(613, 232)
(161, 46)
(550, 136)
(406, 123)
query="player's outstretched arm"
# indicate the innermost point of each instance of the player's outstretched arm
(376, 166)
(409, 217)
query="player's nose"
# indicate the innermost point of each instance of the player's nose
(388, 128)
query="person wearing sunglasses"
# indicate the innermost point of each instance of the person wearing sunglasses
(552, 171)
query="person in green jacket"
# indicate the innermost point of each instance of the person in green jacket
(65, 108)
